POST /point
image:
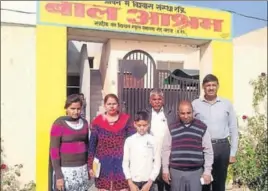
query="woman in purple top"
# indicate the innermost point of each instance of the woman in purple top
(68, 148)
(108, 134)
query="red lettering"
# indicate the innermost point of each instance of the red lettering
(112, 13)
(64, 8)
(135, 16)
(79, 10)
(142, 18)
(154, 18)
(217, 25)
(165, 19)
(193, 23)
(97, 13)
(180, 21)
(205, 23)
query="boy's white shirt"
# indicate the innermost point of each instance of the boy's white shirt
(142, 158)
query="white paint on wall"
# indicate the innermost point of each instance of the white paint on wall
(74, 49)
(85, 78)
(20, 12)
(250, 60)
(18, 97)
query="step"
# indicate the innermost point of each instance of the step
(96, 88)
(96, 102)
(95, 92)
(96, 105)
(96, 85)
(94, 71)
(95, 76)
(93, 112)
(96, 97)
(94, 81)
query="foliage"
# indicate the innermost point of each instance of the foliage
(10, 175)
(252, 157)
(229, 179)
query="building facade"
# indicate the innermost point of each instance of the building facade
(37, 58)
(250, 60)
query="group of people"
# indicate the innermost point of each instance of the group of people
(156, 150)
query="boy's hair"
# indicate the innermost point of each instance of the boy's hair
(141, 115)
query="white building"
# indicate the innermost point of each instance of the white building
(250, 60)
(20, 118)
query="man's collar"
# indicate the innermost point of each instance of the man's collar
(188, 124)
(139, 135)
(161, 110)
(218, 99)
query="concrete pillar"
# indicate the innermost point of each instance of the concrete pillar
(51, 72)
(216, 57)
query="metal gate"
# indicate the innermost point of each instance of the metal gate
(177, 88)
(138, 76)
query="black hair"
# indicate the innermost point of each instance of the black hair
(141, 115)
(74, 98)
(110, 96)
(210, 78)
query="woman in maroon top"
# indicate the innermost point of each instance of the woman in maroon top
(68, 148)
(106, 143)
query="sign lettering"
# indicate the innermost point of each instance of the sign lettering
(126, 15)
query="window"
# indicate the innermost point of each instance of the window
(169, 65)
(73, 85)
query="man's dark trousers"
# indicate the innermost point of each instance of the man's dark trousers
(221, 150)
(161, 185)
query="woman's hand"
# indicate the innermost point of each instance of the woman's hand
(60, 184)
(91, 173)
(147, 186)
(132, 186)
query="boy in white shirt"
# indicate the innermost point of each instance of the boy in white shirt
(142, 157)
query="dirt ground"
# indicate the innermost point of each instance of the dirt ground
(228, 188)
(235, 188)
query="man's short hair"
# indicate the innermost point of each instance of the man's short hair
(157, 92)
(210, 78)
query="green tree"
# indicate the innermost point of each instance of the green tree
(10, 175)
(252, 158)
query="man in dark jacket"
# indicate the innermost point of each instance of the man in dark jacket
(160, 119)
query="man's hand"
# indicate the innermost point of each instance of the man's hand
(60, 184)
(147, 186)
(232, 160)
(207, 178)
(166, 177)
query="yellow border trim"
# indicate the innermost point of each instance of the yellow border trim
(222, 67)
(51, 71)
